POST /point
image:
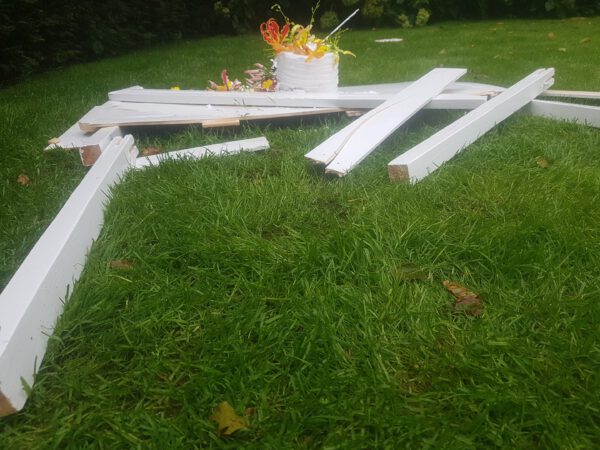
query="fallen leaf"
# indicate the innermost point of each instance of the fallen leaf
(23, 180)
(53, 141)
(121, 264)
(466, 301)
(175, 88)
(410, 272)
(551, 36)
(585, 40)
(227, 420)
(562, 49)
(149, 151)
(443, 51)
(543, 162)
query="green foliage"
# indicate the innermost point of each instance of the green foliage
(329, 20)
(422, 17)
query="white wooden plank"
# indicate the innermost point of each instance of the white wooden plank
(357, 97)
(354, 142)
(583, 114)
(226, 148)
(90, 145)
(33, 299)
(145, 114)
(427, 156)
(590, 95)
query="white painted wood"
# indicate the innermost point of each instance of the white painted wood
(33, 299)
(144, 114)
(90, 145)
(427, 156)
(224, 149)
(357, 97)
(591, 95)
(346, 148)
(583, 114)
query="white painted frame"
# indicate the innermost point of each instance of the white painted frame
(582, 114)
(90, 145)
(427, 156)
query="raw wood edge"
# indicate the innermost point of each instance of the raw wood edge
(89, 154)
(6, 407)
(399, 173)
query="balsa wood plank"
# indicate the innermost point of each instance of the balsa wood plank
(90, 145)
(227, 148)
(352, 144)
(583, 114)
(427, 156)
(145, 114)
(353, 97)
(590, 95)
(33, 299)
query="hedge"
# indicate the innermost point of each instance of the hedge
(39, 34)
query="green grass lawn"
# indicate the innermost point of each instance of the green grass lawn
(257, 281)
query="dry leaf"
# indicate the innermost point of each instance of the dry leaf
(149, 151)
(121, 264)
(23, 180)
(585, 40)
(562, 49)
(227, 420)
(466, 301)
(551, 36)
(543, 162)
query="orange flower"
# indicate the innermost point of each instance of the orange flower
(273, 35)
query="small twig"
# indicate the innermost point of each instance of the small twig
(342, 24)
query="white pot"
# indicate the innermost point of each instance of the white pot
(316, 75)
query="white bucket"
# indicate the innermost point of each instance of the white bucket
(316, 75)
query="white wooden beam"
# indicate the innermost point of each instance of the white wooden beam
(144, 114)
(353, 97)
(33, 299)
(349, 146)
(583, 114)
(90, 145)
(227, 148)
(427, 156)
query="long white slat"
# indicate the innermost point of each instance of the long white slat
(33, 299)
(144, 114)
(90, 145)
(226, 148)
(354, 142)
(357, 97)
(583, 114)
(427, 156)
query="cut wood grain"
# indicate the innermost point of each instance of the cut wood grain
(427, 156)
(582, 114)
(146, 114)
(590, 95)
(90, 145)
(349, 146)
(226, 148)
(34, 297)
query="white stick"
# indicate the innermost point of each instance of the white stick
(342, 24)
(583, 114)
(427, 156)
(227, 148)
(359, 138)
(34, 297)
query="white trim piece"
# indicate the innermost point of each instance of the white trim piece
(583, 114)
(349, 146)
(144, 114)
(34, 298)
(353, 97)
(590, 95)
(90, 145)
(227, 148)
(427, 156)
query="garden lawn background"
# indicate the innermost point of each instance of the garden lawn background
(258, 281)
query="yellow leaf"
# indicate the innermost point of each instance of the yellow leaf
(551, 36)
(23, 180)
(562, 49)
(543, 162)
(466, 301)
(227, 420)
(175, 88)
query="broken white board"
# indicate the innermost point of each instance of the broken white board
(589, 95)
(457, 96)
(90, 145)
(226, 148)
(32, 301)
(144, 114)
(582, 114)
(427, 156)
(346, 148)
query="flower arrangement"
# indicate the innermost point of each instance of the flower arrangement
(298, 39)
